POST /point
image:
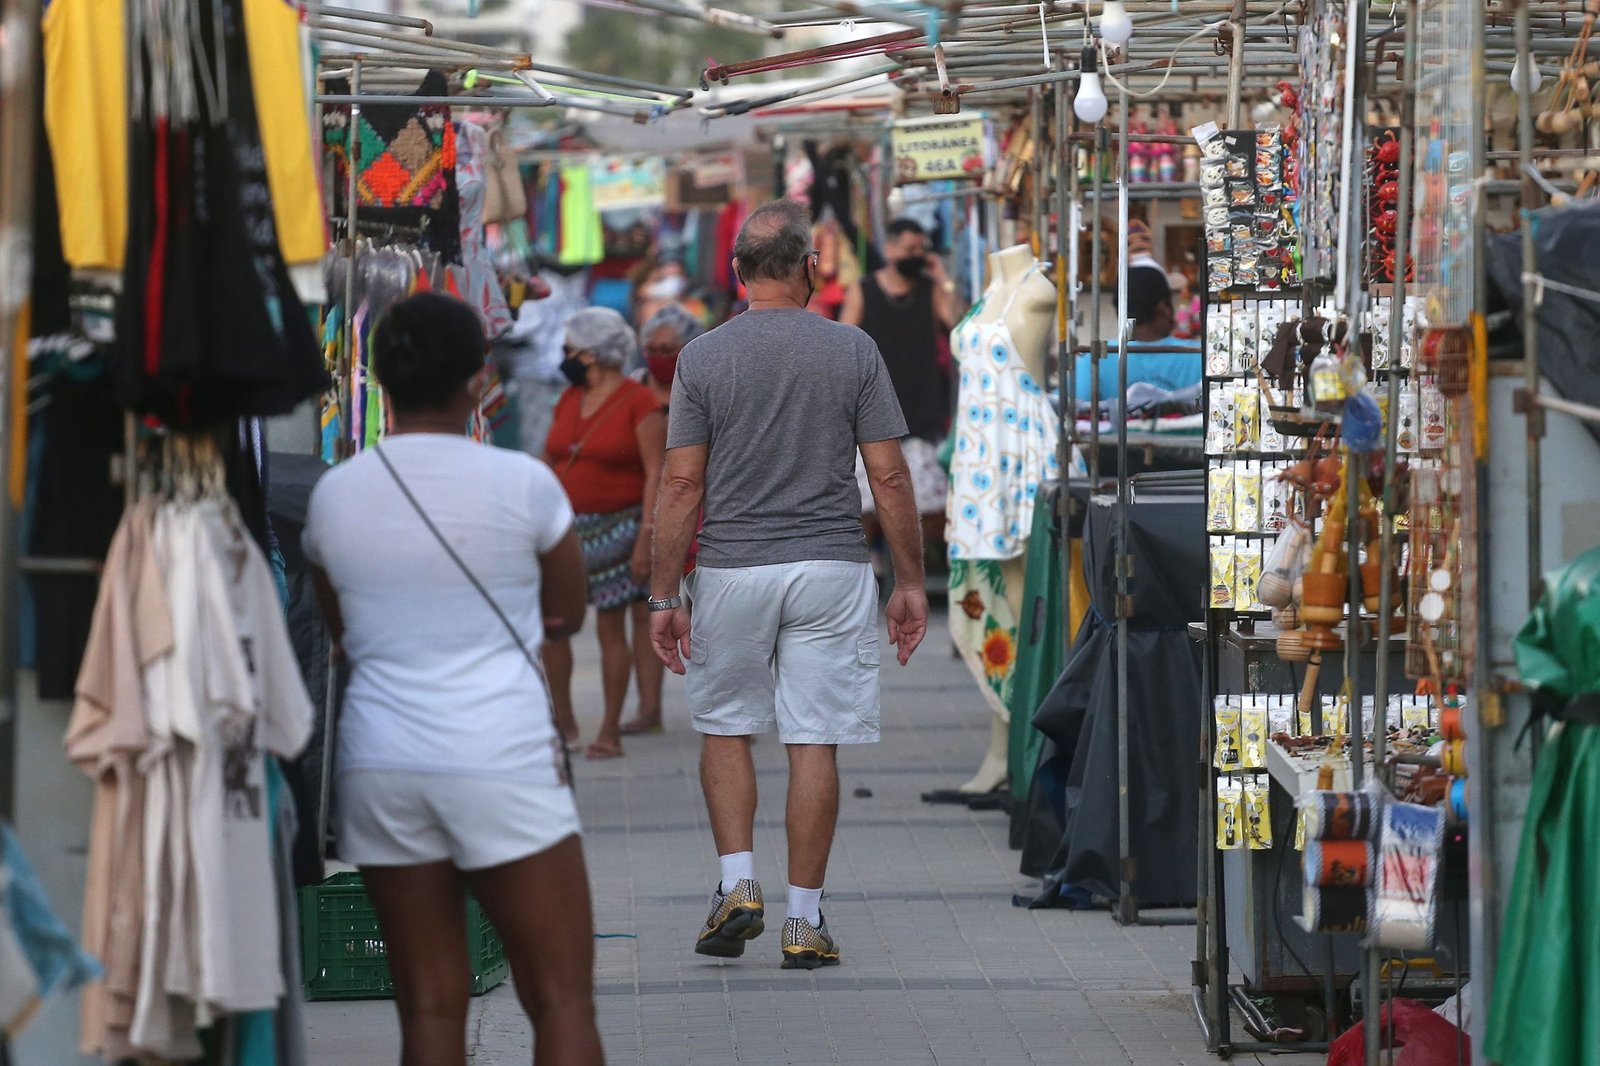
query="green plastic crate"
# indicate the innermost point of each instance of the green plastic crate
(342, 948)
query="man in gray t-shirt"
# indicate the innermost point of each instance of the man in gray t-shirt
(768, 412)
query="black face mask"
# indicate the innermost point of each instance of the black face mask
(575, 370)
(911, 266)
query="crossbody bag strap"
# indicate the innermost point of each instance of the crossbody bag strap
(598, 419)
(488, 597)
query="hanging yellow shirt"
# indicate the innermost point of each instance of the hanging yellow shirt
(86, 120)
(272, 28)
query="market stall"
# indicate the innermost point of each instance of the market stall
(1357, 380)
(1340, 185)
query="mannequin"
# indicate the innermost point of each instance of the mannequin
(1001, 413)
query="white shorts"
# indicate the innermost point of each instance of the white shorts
(791, 646)
(929, 480)
(404, 818)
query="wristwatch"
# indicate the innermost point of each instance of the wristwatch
(671, 603)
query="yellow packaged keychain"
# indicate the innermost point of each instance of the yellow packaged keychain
(1230, 749)
(1257, 813)
(1246, 419)
(1247, 578)
(1254, 730)
(1230, 815)
(1247, 497)
(1222, 559)
(1220, 495)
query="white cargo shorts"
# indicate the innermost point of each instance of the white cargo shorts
(791, 647)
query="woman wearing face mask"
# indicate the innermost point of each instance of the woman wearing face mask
(662, 338)
(667, 283)
(606, 445)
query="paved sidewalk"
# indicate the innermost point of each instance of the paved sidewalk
(939, 967)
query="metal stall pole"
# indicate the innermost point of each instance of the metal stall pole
(1127, 912)
(1530, 321)
(344, 446)
(1216, 1016)
(1066, 309)
(1352, 233)
(1402, 254)
(1241, 10)
(19, 82)
(1036, 124)
(347, 312)
(1096, 344)
(1483, 920)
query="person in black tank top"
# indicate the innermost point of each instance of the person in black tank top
(906, 308)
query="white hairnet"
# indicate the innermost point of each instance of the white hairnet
(603, 332)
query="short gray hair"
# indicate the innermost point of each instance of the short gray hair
(677, 318)
(603, 332)
(774, 241)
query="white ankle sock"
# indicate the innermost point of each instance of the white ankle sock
(806, 903)
(740, 866)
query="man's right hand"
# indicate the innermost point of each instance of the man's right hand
(669, 634)
(908, 619)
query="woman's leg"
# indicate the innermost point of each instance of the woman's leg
(422, 912)
(616, 666)
(648, 669)
(558, 670)
(540, 907)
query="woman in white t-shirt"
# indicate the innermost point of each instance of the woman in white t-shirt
(443, 565)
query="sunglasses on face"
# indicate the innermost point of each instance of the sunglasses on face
(662, 349)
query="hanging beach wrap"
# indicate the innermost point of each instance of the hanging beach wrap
(405, 159)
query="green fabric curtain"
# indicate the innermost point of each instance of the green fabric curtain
(1546, 1007)
(1040, 651)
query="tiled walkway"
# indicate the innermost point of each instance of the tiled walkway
(939, 967)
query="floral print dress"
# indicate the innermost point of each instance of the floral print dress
(1006, 445)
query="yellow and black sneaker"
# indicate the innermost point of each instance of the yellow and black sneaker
(807, 946)
(736, 917)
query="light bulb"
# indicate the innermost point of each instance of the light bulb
(1090, 103)
(1115, 25)
(1526, 80)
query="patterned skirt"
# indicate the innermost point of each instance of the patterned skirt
(608, 541)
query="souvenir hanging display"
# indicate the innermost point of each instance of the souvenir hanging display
(1383, 194)
(1251, 238)
(1319, 151)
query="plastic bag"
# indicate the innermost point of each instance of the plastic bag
(1287, 560)
(1422, 1037)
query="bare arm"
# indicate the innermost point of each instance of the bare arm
(944, 295)
(563, 588)
(652, 439)
(890, 479)
(683, 489)
(854, 311)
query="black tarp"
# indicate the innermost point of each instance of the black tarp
(1073, 832)
(288, 492)
(1567, 243)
